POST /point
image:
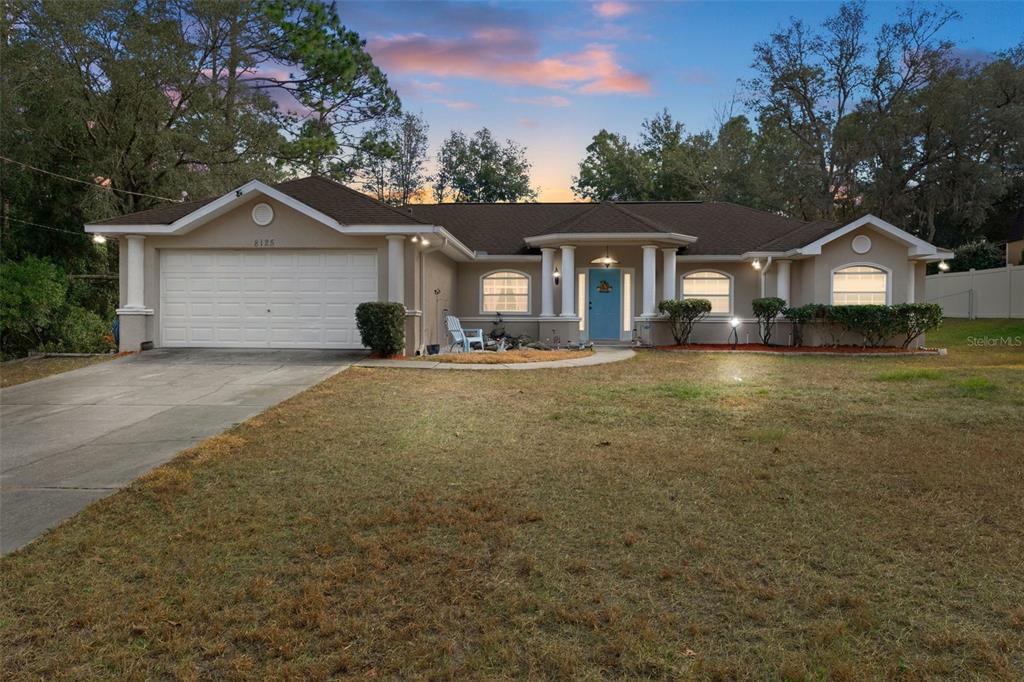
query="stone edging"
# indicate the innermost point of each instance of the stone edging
(600, 357)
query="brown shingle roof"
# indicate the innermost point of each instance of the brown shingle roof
(342, 203)
(720, 228)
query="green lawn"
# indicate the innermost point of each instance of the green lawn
(711, 516)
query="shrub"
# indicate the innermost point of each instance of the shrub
(382, 326)
(980, 254)
(37, 312)
(683, 314)
(766, 310)
(913, 319)
(875, 323)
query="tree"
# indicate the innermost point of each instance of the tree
(806, 82)
(394, 168)
(480, 169)
(332, 77)
(666, 164)
(612, 170)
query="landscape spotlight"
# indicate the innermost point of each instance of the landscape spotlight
(756, 264)
(99, 239)
(944, 266)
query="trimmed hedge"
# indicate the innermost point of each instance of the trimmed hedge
(766, 310)
(382, 327)
(874, 323)
(683, 314)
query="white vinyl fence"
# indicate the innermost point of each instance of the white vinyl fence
(998, 292)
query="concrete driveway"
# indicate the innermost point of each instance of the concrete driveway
(69, 439)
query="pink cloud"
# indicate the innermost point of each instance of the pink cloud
(528, 122)
(609, 9)
(510, 57)
(543, 100)
(457, 104)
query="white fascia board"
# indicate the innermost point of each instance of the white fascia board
(940, 254)
(568, 238)
(217, 207)
(384, 230)
(510, 258)
(916, 246)
(711, 258)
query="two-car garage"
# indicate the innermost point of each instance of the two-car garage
(264, 298)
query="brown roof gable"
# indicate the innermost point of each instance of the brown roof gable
(342, 203)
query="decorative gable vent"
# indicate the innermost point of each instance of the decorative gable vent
(861, 243)
(262, 214)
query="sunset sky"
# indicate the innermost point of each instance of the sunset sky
(551, 74)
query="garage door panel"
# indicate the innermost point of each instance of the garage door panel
(248, 298)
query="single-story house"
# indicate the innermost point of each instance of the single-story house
(285, 265)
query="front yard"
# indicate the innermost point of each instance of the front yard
(675, 515)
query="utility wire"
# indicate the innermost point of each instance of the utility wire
(47, 227)
(84, 182)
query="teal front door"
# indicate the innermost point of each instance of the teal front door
(604, 303)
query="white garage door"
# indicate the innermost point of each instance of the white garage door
(264, 299)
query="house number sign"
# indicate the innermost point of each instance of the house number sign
(261, 243)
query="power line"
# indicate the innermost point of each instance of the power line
(47, 227)
(84, 182)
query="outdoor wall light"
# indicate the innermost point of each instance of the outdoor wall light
(943, 266)
(756, 264)
(99, 239)
(557, 275)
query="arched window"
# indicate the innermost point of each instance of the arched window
(505, 291)
(714, 286)
(860, 285)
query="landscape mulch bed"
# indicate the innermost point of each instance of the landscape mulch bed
(830, 350)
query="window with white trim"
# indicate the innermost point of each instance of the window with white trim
(860, 285)
(505, 291)
(713, 286)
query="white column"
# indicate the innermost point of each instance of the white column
(547, 282)
(911, 281)
(668, 273)
(136, 273)
(568, 281)
(396, 268)
(650, 283)
(782, 289)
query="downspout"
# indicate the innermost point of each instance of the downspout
(764, 274)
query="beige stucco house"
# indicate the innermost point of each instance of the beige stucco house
(284, 266)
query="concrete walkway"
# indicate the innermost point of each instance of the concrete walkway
(601, 356)
(69, 439)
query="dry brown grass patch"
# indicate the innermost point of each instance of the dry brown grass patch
(654, 518)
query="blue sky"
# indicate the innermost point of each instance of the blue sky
(551, 74)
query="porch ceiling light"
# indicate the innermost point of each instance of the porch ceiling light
(605, 260)
(757, 263)
(99, 239)
(944, 266)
